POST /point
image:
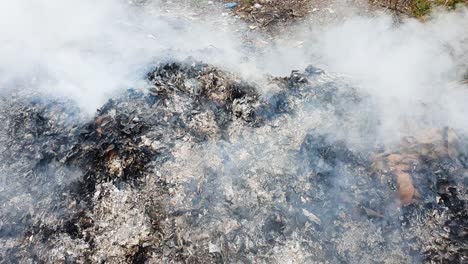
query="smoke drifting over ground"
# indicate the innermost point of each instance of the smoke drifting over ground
(88, 50)
(222, 162)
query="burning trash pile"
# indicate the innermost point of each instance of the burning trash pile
(199, 166)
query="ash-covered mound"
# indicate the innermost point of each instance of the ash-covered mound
(200, 167)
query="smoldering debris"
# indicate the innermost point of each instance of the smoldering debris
(198, 167)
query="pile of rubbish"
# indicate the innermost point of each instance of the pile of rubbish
(200, 166)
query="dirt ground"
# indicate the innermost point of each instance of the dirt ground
(268, 13)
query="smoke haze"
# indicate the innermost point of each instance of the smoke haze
(90, 50)
(384, 80)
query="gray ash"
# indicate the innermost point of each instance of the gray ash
(199, 167)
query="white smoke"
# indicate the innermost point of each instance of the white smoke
(89, 50)
(411, 68)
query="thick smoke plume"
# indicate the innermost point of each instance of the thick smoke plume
(88, 50)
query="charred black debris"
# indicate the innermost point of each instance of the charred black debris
(112, 189)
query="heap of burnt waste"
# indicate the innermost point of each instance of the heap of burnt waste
(199, 167)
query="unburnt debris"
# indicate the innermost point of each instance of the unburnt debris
(200, 167)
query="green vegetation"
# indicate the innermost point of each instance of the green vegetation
(421, 8)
